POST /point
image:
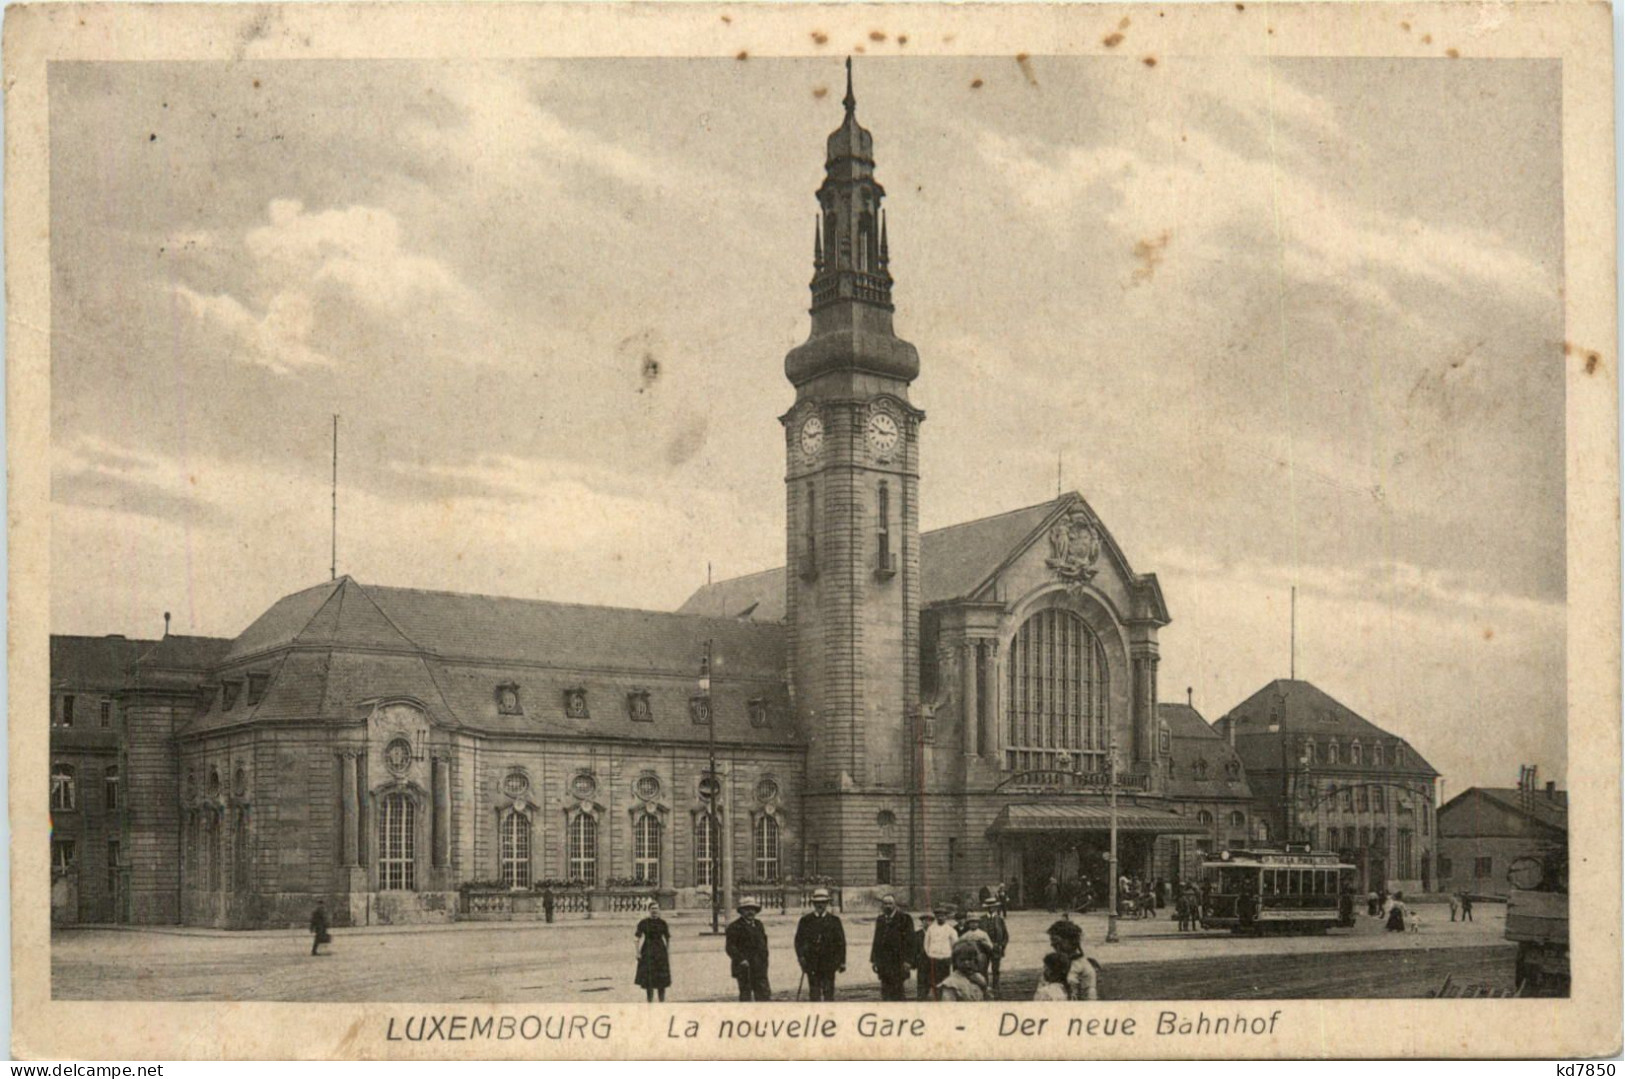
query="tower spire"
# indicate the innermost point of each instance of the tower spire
(850, 101)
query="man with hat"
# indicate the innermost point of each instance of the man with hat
(821, 947)
(999, 934)
(892, 949)
(747, 948)
(1066, 937)
(938, 945)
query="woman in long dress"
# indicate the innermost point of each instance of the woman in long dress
(654, 953)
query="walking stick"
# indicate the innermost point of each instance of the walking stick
(799, 983)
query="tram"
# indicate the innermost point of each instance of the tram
(1294, 890)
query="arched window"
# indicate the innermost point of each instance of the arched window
(767, 848)
(515, 849)
(1376, 755)
(1204, 818)
(1331, 753)
(1238, 819)
(63, 794)
(583, 849)
(707, 838)
(646, 850)
(1056, 694)
(1354, 753)
(1262, 830)
(397, 835)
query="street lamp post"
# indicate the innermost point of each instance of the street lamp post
(1111, 858)
(713, 830)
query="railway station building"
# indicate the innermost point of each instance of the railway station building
(890, 710)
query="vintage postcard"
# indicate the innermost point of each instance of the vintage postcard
(667, 531)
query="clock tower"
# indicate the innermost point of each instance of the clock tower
(852, 515)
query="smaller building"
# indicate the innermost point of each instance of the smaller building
(1209, 782)
(1324, 775)
(1484, 830)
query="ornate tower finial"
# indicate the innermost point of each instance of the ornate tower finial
(849, 100)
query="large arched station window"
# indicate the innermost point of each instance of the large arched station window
(1056, 695)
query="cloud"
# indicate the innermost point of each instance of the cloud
(98, 475)
(315, 276)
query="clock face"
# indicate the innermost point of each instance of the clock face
(812, 436)
(882, 432)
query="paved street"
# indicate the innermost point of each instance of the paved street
(582, 960)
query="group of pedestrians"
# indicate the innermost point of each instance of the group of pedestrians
(1461, 904)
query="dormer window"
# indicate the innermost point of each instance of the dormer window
(575, 704)
(507, 698)
(1354, 753)
(1376, 755)
(1331, 753)
(256, 687)
(758, 712)
(230, 690)
(637, 706)
(699, 709)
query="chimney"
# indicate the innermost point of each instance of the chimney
(166, 623)
(1551, 790)
(1190, 698)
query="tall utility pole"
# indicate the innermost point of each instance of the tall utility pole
(1111, 858)
(713, 790)
(333, 568)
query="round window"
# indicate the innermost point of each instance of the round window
(583, 785)
(886, 818)
(398, 755)
(648, 788)
(710, 786)
(515, 783)
(767, 790)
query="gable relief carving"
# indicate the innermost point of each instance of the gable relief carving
(1074, 549)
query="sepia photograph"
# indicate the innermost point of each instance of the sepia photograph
(867, 523)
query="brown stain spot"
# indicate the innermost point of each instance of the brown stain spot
(1592, 360)
(256, 84)
(649, 372)
(1405, 26)
(1024, 62)
(877, 35)
(820, 38)
(1149, 61)
(1568, 348)
(1454, 54)
(727, 20)
(152, 137)
(1241, 7)
(1149, 253)
(976, 84)
(820, 91)
(948, 39)
(858, 49)
(1427, 39)
(192, 480)
(742, 55)
(1111, 41)
(354, 1032)
(902, 39)
(1123, 25)
(1489, 634)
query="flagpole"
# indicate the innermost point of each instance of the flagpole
(713, 826)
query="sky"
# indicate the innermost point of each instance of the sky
(1289, 323)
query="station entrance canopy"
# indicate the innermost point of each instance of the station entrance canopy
(1051, 818)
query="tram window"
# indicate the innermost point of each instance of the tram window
(1269, 882)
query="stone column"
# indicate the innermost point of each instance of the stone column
(349, 824)
(725, 825)
(968, 698)
(668, 850)
(442, 810)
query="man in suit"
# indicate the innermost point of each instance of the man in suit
(821, 947)
(747, 949)
(997, 932)
(892, 949)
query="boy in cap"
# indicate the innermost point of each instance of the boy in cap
(821, 947)
(747, 949)
(938, 945)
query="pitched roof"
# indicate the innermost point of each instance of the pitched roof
(1551, 809)
(93, 663)
(178, 652)
(1295, 707)
(331, 652)
(1202, 757)
(954, 562)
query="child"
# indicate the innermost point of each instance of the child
(1052, 986)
